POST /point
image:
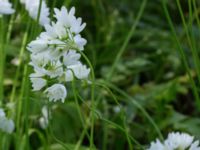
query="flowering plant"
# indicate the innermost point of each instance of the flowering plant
(55, 55)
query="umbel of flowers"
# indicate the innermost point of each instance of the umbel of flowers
(176, 141)
(55, 55)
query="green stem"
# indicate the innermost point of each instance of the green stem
(190, 41)
(50, 131)
(19, 128)
(39, 12)
(84, 124)
(110, 122)
(182, 54)
(138, 106)
(127, 134)
(124, 131)
(197, 12)
(105, 128)
(92, 99)
(2, 61)
(84, 132)
(26, 107)
(24, 41)
(130, 34)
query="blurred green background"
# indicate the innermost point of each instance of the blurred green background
(150, 71)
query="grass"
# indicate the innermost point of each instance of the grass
(144, 82)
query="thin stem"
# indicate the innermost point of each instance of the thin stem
(126, 133)
(123, 130)
(51, 131)
(84, 132)
(26, 107)
(80, 115)
(128, 136)
(2, 61)
(197, 12)
(92, 99)
(130, 34)
(19, 107)
(24, 41)
(182, 54)
(39, 12)
(190, 41)
(137, 105)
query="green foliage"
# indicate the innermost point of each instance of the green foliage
(150, 91)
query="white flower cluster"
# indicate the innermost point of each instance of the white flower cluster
(176, 141)
(32, 6)
(6, 7)
(55, 55)
(6, 125)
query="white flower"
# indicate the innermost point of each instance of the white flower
(116, 109)
(80, 41)
(80, 71)
(54, 69)
(44, 65)
(6, 125)
(2, 113)
(40, 60)
(44, 120)
(71, 58)
(56, 30)
(77, 26)
(9, 126)
(38, 83)
(37, 45)
(69, 20)
(55, 54)
(176, 141)
(157, 146)
(68, 75)
(6, 7)
(195, 146)
(65, 17)
(56, 92)
(32, 6)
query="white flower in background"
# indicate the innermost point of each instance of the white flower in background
(116, 109)
(6, 7)
(176, 141)
(44, 120)
(55, 55)
(32, 6)
(6, 125)
(56, 92)
(2, 113)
